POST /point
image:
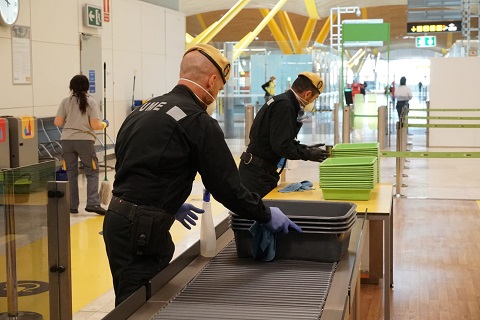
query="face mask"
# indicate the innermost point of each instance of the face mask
(308, 106)
(210, 107)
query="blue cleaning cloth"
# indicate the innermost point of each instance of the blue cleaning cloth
(264, 242)
(306, 185)
(297, 186)
(291, 187)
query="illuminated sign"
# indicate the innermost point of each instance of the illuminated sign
(425, 42)
(434, 26)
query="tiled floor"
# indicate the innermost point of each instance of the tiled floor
(427, 178)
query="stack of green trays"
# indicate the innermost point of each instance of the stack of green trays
(348, 150)
(351, 178)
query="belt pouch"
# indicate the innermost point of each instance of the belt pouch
(151, 231)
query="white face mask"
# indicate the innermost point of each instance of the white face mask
(210, 107)
(308, 106)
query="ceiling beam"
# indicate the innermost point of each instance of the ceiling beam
(200, 19)
(322, 35)
(246, 40)
(307, 33)
(292, 36)
(277, 34)
(312, 9)
(220, 24)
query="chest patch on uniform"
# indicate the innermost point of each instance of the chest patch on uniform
(176, 113)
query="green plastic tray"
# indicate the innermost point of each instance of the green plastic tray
(346, 194)
(366, 162)
(367, 145)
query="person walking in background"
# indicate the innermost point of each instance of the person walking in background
(269, 88)
(273, 135)
(79, 116)
(420, 86)
(403, 94)
(160, 147)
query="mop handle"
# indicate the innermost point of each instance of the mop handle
(105, 115)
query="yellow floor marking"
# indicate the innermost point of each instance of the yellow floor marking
(32, 264)
(91, 275)
(478, 203)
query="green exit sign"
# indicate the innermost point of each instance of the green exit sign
(92, 16)
(426, 42)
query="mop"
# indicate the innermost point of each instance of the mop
(105, 187)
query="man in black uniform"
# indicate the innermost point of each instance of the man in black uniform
(273, 133)
(160, 148)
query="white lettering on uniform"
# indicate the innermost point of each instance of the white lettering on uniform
(142, 108)
(152, 106)
(161, 104)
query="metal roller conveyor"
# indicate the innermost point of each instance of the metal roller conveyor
(248, 289)
(228, 287)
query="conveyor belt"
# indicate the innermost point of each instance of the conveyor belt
(233, 288)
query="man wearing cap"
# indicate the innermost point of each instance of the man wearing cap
(273, 135)
(160, 148)
(269, 88)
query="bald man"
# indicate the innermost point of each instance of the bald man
(160, 148)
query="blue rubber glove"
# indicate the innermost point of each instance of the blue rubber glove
(185, 215)
(106, 122)
(280, 222)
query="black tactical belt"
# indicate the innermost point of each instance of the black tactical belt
(123, 208)
(128, 209)
(249, 158)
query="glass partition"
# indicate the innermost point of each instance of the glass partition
(254, 67)
(24, 273)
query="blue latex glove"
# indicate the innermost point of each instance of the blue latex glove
(280, 222)
(106, 122)
(186, 216)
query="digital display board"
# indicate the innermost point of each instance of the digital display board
(434, 26)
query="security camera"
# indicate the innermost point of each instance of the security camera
(358, 12)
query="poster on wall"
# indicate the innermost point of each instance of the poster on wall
(21, 55)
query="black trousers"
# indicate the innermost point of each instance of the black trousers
(400, 106)
(257, 179)
(129, 270)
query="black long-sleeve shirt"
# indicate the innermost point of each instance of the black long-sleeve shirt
(163, 144)
(273, 132)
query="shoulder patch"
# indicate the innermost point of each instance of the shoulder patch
(176, 113)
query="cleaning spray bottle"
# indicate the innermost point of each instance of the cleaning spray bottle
(208, 238)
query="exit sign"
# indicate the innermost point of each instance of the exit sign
(92, 16)
(426, 42)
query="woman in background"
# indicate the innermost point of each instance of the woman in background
(403, 94)
(79, 116)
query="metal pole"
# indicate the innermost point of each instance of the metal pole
(428, 122)
(59, 254)
(11, 254)
(382, 126)
(335, 123)
(248, 122)
(346, 124)
(229, 105)
(398, 162)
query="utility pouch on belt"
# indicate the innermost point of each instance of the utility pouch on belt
(150, 233)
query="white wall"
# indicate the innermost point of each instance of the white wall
(134, 42)
(454, 85)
